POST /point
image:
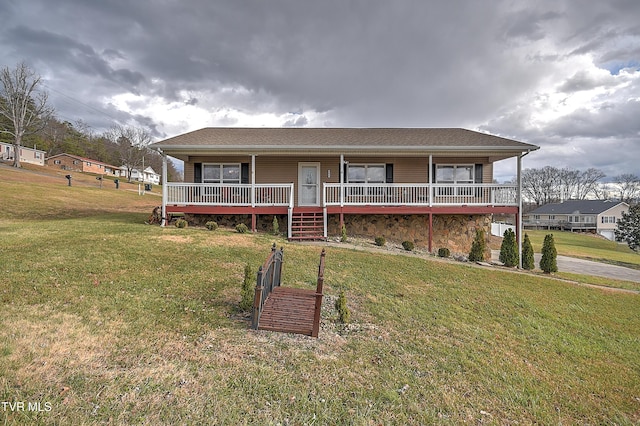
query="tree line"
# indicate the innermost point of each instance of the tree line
(552, 185)
(27, 119)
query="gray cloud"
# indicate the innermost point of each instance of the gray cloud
(468, 64)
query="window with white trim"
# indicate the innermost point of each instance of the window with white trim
(608, 219)
(221, 173)
(455, 174)
(366, 173)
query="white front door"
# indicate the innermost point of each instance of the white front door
(308, 184)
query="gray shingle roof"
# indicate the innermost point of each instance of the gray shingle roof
(329, 138)
(576, 207)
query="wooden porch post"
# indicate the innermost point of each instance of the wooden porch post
(430, 232)
(519, 215)
(163, 220)
(430, 180)
(253, 192)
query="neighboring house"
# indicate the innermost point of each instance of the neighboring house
(148, 175)
(578, 215)
(431, 186)
(80, 164)
(27, 155)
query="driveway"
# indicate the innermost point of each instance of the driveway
(587, 267)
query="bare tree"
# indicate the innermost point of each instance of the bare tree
(589, 183)
(628, 186)
(23, 104)
(132, 145)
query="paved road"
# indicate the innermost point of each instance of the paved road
(587, 267)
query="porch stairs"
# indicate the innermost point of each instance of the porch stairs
(307, 224)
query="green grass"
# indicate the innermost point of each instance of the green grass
(587, 246)
(115, 322)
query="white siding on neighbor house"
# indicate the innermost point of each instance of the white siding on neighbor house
(607, 221)
(27, 155)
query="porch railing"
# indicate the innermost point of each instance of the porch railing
(226, 194)
(403, 194)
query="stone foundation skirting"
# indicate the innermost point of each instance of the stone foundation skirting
(455, 232)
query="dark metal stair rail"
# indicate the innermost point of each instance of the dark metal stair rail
(269, 277)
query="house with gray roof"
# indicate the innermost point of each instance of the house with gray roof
(596, 216)
(431, 186)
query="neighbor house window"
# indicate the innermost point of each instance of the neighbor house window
(75, 161)
(221, 173)
(56, 161)
(608, 219)
(38, 155)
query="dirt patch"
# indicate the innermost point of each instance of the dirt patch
(175, 238)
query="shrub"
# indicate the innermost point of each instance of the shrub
(477, 247)
(211, 225)
(527, 254)
(275, 228)
(242, 228)
(181, 223)
(408, 245)
(444, 252)
(509, 249)
(342, 308)
(247, 292)
(343, 237)
(548, 263)
(380, 241)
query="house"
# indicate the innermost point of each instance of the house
(81, 164)
(431, 186)
(27, 155)
(148, 175)
(597, 216)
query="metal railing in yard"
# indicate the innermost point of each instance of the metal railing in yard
(269, 277)
(417, 194)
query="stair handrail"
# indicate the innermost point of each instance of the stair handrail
(269, 276)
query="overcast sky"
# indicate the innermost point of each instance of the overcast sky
(564, 75)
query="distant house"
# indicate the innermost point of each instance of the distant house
(81, 164)
(148, 175)
(27, 155)
(578, 215)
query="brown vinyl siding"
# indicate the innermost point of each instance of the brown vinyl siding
(273, 169)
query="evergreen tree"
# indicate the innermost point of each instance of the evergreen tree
(548, 263)
(528, 262)
(629, 228)
(477, 247)
(509, 249)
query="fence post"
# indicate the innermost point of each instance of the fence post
(318, 306)
(257, 302)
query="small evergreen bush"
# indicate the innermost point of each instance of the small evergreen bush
(509, 249)
(343, 237)
(408, 245)
(181, 223)
(242, 228)
(275, 226)
(477, 247)
(211, 225)
(247, 292)
(342, 308)
(444, 252)
(528, 262)
(548, 263)
(380, 241)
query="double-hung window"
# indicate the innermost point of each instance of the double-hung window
(366, 173)
(455, 174)
(221, 173)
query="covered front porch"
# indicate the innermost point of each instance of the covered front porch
(339, 199)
